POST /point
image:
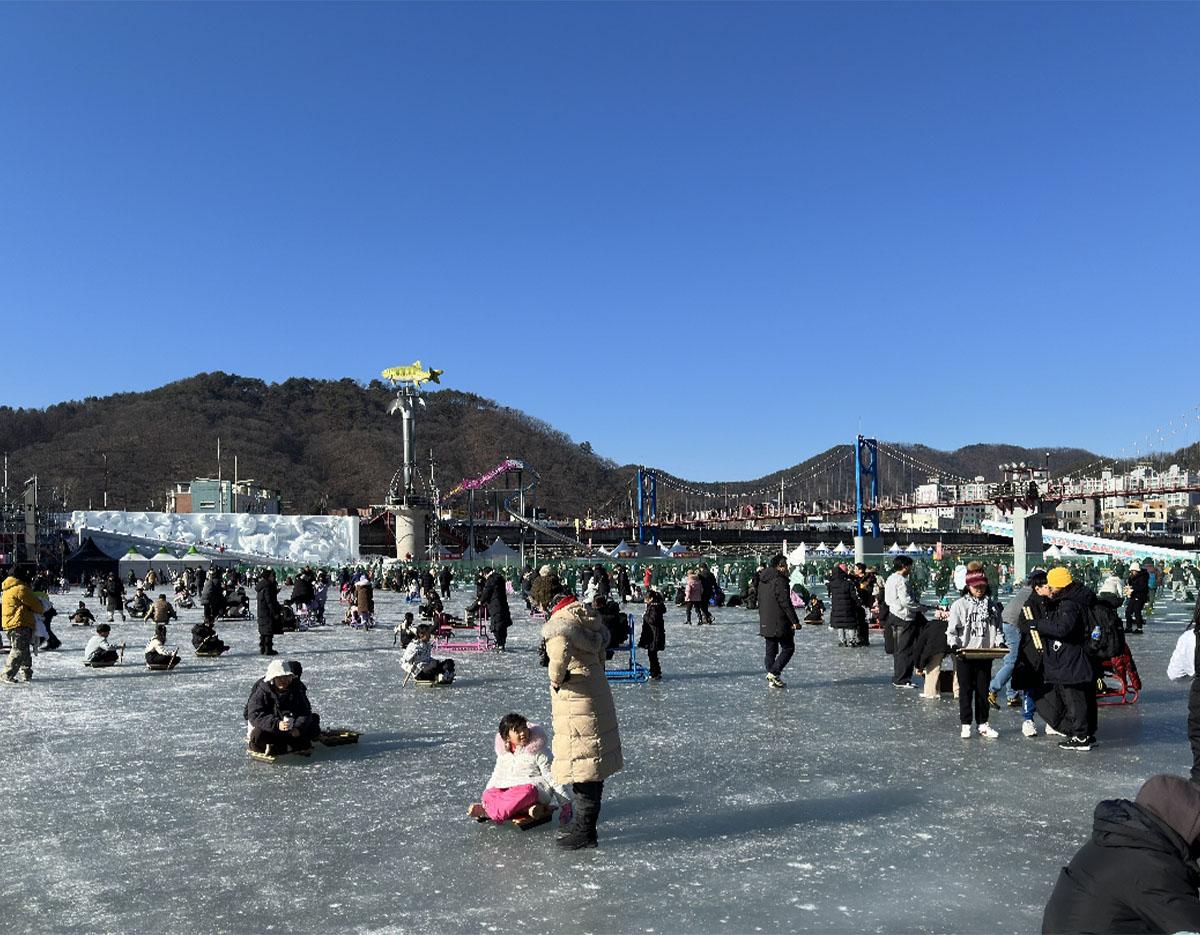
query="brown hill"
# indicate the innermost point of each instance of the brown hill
(330, 443)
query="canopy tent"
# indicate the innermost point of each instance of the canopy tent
(895, 549)
(821, 549)
(193, 559)
(622, 550)
(87, 560)
(914, 548)
(798, 555)
(134, 561)
(679, 550)
(842, 549)
(499, 552)
(1052, 552)
(163, 562)
(1067, 550)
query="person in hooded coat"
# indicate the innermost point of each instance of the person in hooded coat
(114, 594)
(653, 635)
(777, 620)
(844, 609)
(587, 744)
(444, 580)
(495, 596)
(278, 712)
(1139, 593)
(267, 592)
(1138, 872)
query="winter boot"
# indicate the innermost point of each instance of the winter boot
(581, 832)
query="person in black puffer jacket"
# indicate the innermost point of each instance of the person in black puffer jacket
(1138, 872)
(1068, 668)
(653, 637)
(267, 610)
(777, 620)
(844, 608)
(1139, 593)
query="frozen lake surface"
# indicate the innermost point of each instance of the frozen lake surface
(840, 804)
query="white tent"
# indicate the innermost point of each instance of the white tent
(193, 559)
(1052, 552)
(1067, 550)
(623, 549)
(798, 555)
(134, 561)
(821, 549)
(842, 549)
(498, 551)
(164, 563)
(679, 549)
(913, 547)
(895, 548)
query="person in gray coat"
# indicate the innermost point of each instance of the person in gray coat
(777, 620)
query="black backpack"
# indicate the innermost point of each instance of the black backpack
(1104, 635)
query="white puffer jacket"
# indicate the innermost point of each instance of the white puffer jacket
(526, 766)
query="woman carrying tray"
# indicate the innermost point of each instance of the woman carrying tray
(974, 634)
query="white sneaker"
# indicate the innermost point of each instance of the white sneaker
(966, 732)
(1051, 732)
(1029, 729)
(986, 730)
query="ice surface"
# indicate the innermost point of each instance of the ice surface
(839, 804)
(317, 540)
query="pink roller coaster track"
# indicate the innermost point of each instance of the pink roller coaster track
(474, 483)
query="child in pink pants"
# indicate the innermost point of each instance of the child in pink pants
(521, 784)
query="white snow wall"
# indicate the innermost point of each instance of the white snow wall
(317, 540)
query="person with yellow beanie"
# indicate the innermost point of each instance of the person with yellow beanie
(1069, 671)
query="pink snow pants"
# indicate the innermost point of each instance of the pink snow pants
(503, 804)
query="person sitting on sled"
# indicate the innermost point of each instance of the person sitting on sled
(418, 660)
(432, 605)
(82, 617)
(406, 630)
(205, 639)
(278, 713)
(99, 653)
(156, 650)
(521, 783)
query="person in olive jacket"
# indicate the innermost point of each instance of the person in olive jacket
(1138, 872)
(777, 620)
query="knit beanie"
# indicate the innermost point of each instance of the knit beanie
(1058, 577)
(976, 579)
(1175, 801)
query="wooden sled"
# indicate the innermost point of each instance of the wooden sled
(209, 655)
(431, 683)
(273, 757)
(525, 823)
(160, 667)
(338, 738)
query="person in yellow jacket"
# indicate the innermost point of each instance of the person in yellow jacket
(17, 608)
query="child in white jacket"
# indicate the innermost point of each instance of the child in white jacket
(521, 784)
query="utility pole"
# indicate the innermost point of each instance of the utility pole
(104, 455)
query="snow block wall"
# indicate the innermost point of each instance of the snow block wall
(317, 540)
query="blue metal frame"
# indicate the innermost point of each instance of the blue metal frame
(635, 672)
(866, 468)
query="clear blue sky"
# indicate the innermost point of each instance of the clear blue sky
(714, 238)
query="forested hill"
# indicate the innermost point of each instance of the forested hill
(328, 444)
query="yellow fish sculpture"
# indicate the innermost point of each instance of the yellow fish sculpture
(414, 373)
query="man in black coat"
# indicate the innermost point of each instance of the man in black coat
(495, 596)
(777, 620)
(708, 589)
(1138, 872)
(427, 582)
(268, 607)
(1067, 667)
(444, 580)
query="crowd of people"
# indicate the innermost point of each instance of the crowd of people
(1054, 637)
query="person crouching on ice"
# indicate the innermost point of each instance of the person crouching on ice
(157, 656)
(279, 714)
(418, 660)
(205, 639)
(521, 784)
(99, 652)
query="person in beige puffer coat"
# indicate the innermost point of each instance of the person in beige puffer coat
(587, 744)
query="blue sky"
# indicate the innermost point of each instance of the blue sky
(713, 238)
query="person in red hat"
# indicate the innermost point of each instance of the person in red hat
(975, 623)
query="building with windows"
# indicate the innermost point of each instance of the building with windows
(213, 495)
